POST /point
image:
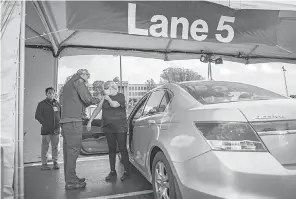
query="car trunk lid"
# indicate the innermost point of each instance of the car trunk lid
(275, 123)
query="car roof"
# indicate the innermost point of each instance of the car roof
(177, 85)
(205, 81)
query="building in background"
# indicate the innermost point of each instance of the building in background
(136, 91)
(121, 89)
(132, 92)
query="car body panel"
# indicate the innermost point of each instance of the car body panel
(146, 133)
(232, 175)
(201, 172)
(281, 144)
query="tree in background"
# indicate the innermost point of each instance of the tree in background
(116, 79)
(150, 84)
(179, 74)
(161, 81)
(97, 87)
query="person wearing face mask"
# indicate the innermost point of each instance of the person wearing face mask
(48, 114)
(75, 97)
(114, 125)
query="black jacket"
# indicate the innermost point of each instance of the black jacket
(74, 98)
(48, 113)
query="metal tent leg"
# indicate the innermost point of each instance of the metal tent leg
(210, 71)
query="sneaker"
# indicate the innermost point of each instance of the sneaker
(111, 175)
(56, 166)
(125, 176)
(45, 167)
(79, 185)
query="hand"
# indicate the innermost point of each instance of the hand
(97, 100)
(88, 126)
(107, 97)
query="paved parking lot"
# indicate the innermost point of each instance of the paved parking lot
(50, 184)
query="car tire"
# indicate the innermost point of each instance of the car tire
(168, 177)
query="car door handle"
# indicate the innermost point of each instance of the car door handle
(150, 122)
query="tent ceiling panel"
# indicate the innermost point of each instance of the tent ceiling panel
(274, 41)
(262, 4)
(208, 47)
(55, 12)
(272, 51)
(117, 41)
(35, 38)
(287, 39)
(34, 25)
(72, 51)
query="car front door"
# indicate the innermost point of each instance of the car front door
(146, 127)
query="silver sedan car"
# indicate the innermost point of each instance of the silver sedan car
(215, 139)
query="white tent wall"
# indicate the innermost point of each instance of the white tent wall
(12, 45)
(40, 73)
(41, 67)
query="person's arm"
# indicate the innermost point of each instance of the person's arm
(115, 104)
(60, 109)
(61, 97)
(39, 114)
(122, 101)
(96, 111)
(112, 103)
(84, 93)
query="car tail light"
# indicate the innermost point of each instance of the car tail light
(230, 136)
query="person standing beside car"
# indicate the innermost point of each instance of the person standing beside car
(75, 97)
(114, 125)
(48, 114)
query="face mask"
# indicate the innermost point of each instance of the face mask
(113, 92)
(107, 92)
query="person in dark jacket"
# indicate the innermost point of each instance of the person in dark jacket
(114, 125)
(48, 114)
(75, 97)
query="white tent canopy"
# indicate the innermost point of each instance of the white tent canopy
(240, 31)
(72, 28)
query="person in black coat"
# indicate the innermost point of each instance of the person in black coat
(48, 113)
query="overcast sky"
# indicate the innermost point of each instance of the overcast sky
(138, 70)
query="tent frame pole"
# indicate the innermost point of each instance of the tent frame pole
(19, 133)
(285, 80)
(46, 24)
(210, 71)
(120, 64)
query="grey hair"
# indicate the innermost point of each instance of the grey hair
(111, 84)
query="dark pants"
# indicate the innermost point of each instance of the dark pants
(114, 139)
(72, 134)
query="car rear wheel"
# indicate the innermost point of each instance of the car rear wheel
(162, 178)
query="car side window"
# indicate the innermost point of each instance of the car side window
(152, 105)
(165, 101)
(139, 112)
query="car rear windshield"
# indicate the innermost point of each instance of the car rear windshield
(214, 92)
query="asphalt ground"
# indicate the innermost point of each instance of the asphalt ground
(50, 184)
